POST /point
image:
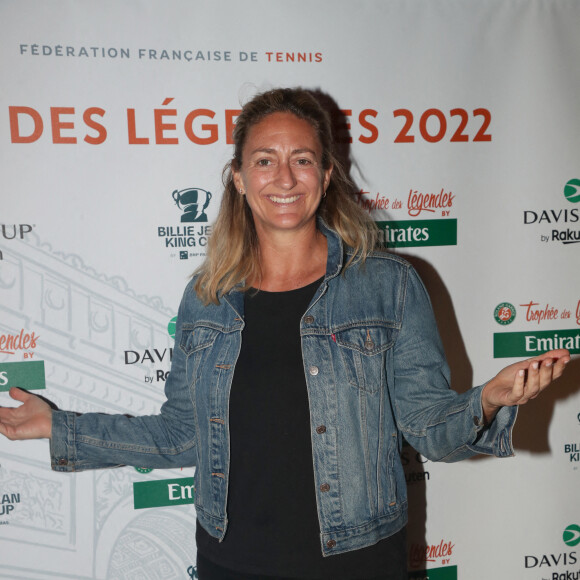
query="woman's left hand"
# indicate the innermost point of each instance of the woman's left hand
(522, 381)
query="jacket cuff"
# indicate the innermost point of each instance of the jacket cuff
(496, 437)
(62, 443)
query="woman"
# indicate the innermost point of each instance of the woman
(302, 358)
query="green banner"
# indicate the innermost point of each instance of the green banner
(162, 493)
(445, 573)
(407, 233)
(27, 375)
(527, 344)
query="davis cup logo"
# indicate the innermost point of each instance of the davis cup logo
(572, 191)
(171, 327)
(193, 202)
(504, 313)
(571, 535)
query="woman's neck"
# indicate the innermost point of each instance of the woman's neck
(292, 261)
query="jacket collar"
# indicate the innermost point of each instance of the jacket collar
(334, 260)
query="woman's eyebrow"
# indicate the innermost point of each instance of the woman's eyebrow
(272, 150)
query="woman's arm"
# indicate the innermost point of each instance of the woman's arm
(96, 440)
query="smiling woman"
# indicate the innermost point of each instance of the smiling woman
(283, 179)
(282, 176)
(302, 359)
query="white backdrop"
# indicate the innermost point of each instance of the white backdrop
(108, 108)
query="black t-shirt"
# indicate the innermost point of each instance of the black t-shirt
(273, 526)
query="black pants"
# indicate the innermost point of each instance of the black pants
(207, 570)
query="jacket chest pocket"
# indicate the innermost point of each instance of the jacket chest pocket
(195, 343)
(363, 349)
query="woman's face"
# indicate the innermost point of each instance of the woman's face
(281, 174)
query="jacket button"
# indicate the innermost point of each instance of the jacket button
(476, 421)
(369, 345)
(309, 319)
(313, 370)
(321, 429)
(63, 461)
(325, 487)
(330, 544)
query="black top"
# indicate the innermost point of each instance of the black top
(273, 526)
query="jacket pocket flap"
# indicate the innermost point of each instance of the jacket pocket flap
(197, 338)
(367, 340)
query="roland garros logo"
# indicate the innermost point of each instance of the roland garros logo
(504, 313)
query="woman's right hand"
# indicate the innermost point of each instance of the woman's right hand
(31, 420)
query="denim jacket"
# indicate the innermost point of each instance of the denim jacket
(375, 372)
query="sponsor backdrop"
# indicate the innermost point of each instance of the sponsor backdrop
(460, 125)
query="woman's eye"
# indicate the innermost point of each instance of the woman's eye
(304, 161)
(263, 162)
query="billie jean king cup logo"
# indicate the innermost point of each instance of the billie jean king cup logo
(193, 202)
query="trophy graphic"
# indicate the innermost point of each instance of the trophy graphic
(193, 202)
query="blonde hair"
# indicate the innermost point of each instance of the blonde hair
(233, 255)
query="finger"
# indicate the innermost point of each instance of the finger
(532, 387)
(19, 394)
(559, 366)
(553, 354)
(518, 386)
(546, 373)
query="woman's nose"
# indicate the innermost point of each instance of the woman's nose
(285, 176)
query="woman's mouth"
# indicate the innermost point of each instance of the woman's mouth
(281, 199)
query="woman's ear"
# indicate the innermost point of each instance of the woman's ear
(238, 182)
(327, 174)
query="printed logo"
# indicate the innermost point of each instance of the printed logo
(7, 505)
(171, 327)
(27, 375)
(401, 233)
(22, 342)
(504, 313)
(15, 231)
(558, 219)
(441, 553)
(163, 493)
(572, 451)
(193, 202)
(192, 572)
(527, 344)
(531, 343)
(413, 233)
(571, 535)
(536, 312)
(144, 469)
(572, 191)
(159, 56)
(150, 356)
(153, 356)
